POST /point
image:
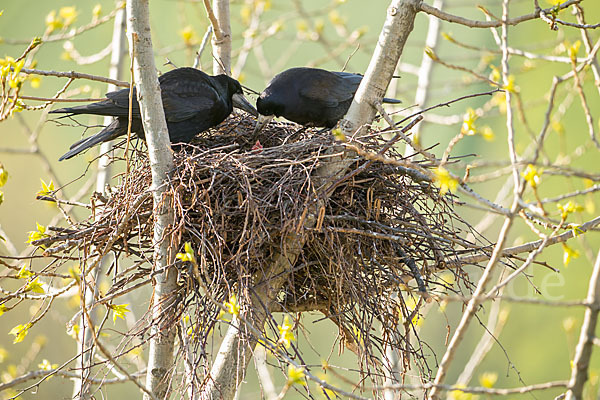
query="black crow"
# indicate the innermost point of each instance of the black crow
(308, 96)
(193, 102)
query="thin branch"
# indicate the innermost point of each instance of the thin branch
(43, 373)
(490, 24)
(583, 352)
(75, 75)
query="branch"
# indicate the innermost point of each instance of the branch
(43, 373)
(484, 390)
(75, 75)
(531, 246)
(583, 352)
(426, 8)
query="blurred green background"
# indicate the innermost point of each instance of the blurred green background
(537, 342)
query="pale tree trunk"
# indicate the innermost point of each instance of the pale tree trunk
(82, 387)
(398, 25)
(160, 359)
(235, 353)
(222, 43)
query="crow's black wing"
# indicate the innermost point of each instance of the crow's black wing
(186, 92)
(120, 103)
(332, 89)
(184, 100)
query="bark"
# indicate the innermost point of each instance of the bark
(236, 349)
(160, 359)
(82, 387)
(398, 25)
(222, 44)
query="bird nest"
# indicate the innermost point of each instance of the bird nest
(367, 252)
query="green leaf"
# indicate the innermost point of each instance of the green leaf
(3, 175)
(233, 307)
(24, 273)
(35, 287)
(119, 311)
(45, 365)
(47, 189)
(286, 336)
(188, 255)
(36, 235)
(295, 375)
(20, 331)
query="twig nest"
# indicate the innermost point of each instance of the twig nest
(379, 237)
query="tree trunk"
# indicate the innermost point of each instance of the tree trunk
(398, 25)
(222, 45)
(235, 353)
(160, 360)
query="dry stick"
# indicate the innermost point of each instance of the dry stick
(103, 350)
(588, 45)
(583, 351)
(235, 353)
(490, 24)
(75, 75)
(379, 156)
(497, 320)
(43, 373)
(473, 304)
(531, 246)
(483, 390)
(160, 360)
(584, 105)
(249, 40)
(213, 20)
(423, 80)
(207, 34)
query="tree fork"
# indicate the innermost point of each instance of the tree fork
(234, 354)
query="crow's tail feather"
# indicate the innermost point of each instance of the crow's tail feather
(112, 131)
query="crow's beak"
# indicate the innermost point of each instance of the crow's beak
(239, 101)
(261, 122)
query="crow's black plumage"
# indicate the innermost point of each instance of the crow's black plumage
(309, 96)
(193, 102)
